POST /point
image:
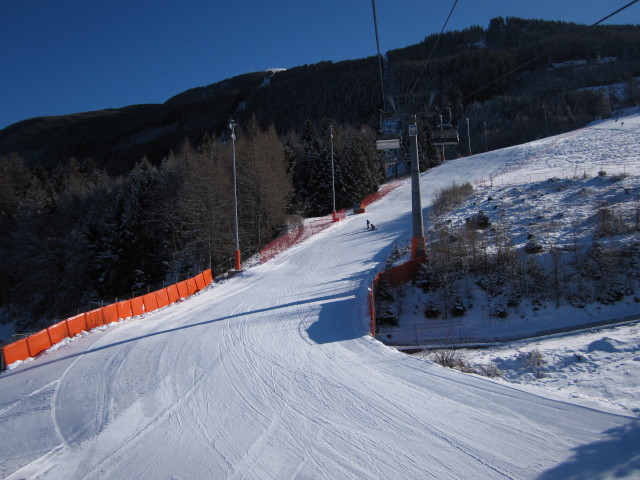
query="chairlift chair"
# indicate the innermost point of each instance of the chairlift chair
(445, 135)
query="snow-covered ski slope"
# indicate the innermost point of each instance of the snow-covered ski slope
(271, 375)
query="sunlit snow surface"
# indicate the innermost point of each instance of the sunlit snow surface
(271, 374)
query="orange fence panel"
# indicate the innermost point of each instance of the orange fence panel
(200, 281)
(295, 236)
(15, 351)
(124, 309)
(76, 324)
(172, 291)
(110, 313)
(183, 290)
(382, 192)
(402, 273)
(137, 306)
(150, 302)
(94, 318)
(192, 287)
(38, 342)
(58, 332)
(208, 277)
(162, 298)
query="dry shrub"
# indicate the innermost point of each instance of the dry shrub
(533, 360)
(451, 197)
(451, 358)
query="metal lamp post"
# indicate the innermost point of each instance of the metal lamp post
(443, 159)
(236, 254)
(468, 136)
(333, 178)
(486, 146)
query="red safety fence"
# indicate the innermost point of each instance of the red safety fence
(137, 306)
(384, 190)
(77, 324)
(308, 229)
(299, 234)
(58, 332)
(15, 351)
(150, 302)
(402, 273)
(124, 309)
(200, 282)
(94, 318)
(44, 339)
(162, 298)
(183, 290)
(38, 342)
(172, 291)
(110, 313)
(192, 287)
(395, 276)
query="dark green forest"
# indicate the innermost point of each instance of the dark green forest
(103, 205)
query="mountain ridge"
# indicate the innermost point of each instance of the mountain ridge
(465, 72)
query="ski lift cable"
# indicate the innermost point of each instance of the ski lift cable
(545, 53)
(375, 24)
(435, 45)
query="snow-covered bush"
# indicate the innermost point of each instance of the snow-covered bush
(432, 310)
(533, 246)
(451, 358)
(480, 220)
(491, 370)
(534, 361)
(458, 308)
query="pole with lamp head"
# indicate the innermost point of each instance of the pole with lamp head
(236, 254)
(333, 178)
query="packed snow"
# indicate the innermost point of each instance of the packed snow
(597, 368)
(271, 374)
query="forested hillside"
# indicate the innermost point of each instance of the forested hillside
(99, 205)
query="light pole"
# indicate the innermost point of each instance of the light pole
(486, 148)
(333, 177)
(236, 254)
(443, 159)
(468, 136)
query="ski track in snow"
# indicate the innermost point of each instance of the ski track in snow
(271, 375)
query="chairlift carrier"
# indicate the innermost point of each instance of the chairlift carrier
(444, 135)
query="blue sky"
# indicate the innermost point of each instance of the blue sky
(69, 56)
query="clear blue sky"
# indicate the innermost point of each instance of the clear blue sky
(69, 56)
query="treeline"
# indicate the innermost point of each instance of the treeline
(76, 237)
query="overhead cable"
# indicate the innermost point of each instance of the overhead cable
(435, 45)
